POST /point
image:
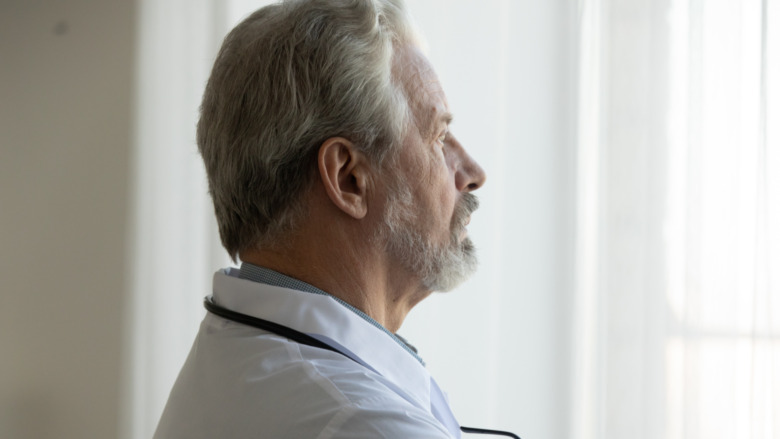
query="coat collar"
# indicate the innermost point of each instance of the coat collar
(325, 318)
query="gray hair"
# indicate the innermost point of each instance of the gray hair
(286, 79)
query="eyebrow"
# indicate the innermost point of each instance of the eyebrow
(445, 117)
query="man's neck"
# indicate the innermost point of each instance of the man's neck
(362, 279)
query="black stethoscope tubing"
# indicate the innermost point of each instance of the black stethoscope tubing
(305, 339)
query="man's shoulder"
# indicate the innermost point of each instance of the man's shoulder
(240, 384)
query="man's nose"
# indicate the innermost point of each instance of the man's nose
(469, 175)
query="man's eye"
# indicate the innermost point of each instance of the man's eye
(442, 138)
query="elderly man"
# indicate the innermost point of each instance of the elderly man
(338, 184)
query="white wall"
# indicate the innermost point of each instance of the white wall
(65, 127)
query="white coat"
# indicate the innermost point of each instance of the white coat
(243, 382)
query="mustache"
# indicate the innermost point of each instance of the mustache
(465, 207)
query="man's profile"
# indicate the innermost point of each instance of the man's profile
(338, 185)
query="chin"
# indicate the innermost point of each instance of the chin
(452, 267)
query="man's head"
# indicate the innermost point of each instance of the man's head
(286, 79)
(297, 78)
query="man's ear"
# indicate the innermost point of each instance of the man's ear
(344, 172)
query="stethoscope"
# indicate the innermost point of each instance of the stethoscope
(305, 339)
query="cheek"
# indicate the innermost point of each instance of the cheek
(445, 200)
(440, 188)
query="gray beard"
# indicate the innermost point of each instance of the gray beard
(440, 268)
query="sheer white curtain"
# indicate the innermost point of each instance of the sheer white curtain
(678, 300)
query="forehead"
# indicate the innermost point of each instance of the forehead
(422, 87)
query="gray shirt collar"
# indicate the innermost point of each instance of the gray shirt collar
(270, 277)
